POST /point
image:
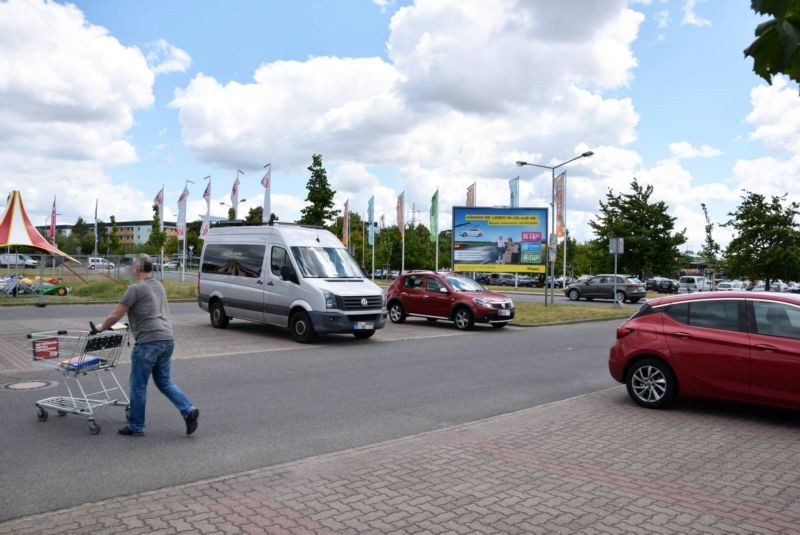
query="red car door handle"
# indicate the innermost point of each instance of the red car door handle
(766, 347)
(683, 335)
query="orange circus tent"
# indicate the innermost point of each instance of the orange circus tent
(16, 229)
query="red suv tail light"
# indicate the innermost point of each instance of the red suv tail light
(622, 332)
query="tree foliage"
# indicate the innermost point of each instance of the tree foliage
(711, 249)
(651, 243)
(776, 48)
(767, 241)
(320, 195)
(157, 236)
(254, 216)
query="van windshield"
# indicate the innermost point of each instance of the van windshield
(326, 263)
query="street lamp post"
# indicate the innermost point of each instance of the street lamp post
(550, 268)
(223, 203)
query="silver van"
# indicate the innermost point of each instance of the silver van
(17, 261)
(289, 275)
(693, 283)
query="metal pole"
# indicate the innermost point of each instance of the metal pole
(616, 249)
(553, 225)
(566, 234)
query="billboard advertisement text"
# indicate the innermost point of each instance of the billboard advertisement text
(508, 240)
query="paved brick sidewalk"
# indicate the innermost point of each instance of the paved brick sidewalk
(593, 464)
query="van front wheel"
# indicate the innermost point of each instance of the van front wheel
(302, 330)
(219, 320)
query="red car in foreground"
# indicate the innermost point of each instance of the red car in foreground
(451, 297)
(740, 346)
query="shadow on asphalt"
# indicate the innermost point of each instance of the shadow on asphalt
(730, 410)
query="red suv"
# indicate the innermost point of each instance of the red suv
(741, 346)
(448, 297)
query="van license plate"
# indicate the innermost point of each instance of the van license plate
(363, 325)
(503, 312)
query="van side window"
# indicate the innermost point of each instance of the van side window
(235, 260)
(279, 258)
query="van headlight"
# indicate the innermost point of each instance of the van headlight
(330, 299)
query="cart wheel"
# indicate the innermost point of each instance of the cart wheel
(41, 414)
(62, 413)
(94, 427)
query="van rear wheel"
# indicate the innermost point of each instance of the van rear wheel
(219, 320)
(302, 330)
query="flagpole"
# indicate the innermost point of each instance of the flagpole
(566, 234)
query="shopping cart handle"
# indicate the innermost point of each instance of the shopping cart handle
(93, 328)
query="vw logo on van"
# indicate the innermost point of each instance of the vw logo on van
(364, 302)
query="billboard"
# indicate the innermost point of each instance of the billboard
(508, 240)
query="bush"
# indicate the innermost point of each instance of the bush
(100, 290)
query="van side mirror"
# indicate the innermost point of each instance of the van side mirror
(288, 274)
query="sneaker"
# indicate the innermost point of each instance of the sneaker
(191, 421)
(128, 432)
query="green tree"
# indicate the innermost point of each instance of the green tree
(157, 237)
(711, 249)
(776, 48)
(651, 245)
(254, 216)
(320, 195)
(113, 239)
(767, 241)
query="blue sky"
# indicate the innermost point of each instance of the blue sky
(111, 100)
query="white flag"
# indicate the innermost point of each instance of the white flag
(207, 219)
(235, 195)
(182, 213)
(267, 183)
(159, 200)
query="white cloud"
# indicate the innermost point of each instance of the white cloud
(451, 107)
(164, 57)
(662, 18)
(68, 91)
(776, 115)
(690, 16)
(683, 150)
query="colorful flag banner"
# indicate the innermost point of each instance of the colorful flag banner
(181, 226)
(267, 183)
(159, 201)
(513, 186)
(207, 219)
(52, 234)
(435, 217)
(561, 205)
(471, 195)
(400, 210)
(235, 195)
(371, 217)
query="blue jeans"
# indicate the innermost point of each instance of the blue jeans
(153, 358)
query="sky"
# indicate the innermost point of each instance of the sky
(110, 101)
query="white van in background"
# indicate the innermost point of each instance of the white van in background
(95, 262)
(17, 261)
(693, 283)
(289, 275)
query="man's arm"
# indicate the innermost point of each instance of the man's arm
(119, 311)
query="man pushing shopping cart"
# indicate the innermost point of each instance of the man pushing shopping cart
(145, 303)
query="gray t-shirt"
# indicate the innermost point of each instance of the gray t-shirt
(148, 311)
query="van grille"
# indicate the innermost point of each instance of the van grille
(354, 303)
(364, 317)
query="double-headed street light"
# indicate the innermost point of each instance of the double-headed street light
(550, 267)
(232, 207)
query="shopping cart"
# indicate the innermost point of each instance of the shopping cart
(77, 355)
